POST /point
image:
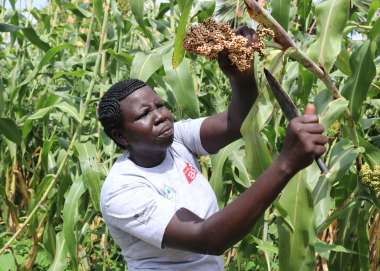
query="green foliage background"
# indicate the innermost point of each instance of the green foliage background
(55, 63)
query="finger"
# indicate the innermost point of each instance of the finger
(319, 139)
(313, 128)
(309, 118)
(247, 32)
(310, 109)
(319, 150)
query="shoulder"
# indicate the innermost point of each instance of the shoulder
(121, 179)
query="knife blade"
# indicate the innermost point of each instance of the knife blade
(288, 107)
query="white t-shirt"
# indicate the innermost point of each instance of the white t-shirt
(138, 203)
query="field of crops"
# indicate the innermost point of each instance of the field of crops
(56, 62)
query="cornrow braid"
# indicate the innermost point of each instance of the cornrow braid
(109, 113)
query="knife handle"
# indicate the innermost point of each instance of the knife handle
(322, 166)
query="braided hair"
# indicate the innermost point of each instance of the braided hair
(109, 113)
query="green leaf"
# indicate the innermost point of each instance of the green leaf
(333, 111)
(343, 155)
(218, 161)
(303, 10)
(371, 154)
(137, 7)
(322, 248)
(205, 9)
(69, 109)
(179, 51)
(86, 152)
(296, 250)
(80, 12)
(332, 16)
(343, 62)
(10, 130)
(280, 11)
(144, 66)
(47, 58)
(375, 5)
(182, 85)
(60, 262)
(40, 113)
(237, 160)
(32, 36)
(9, 27)
(356, 87)
(7, 262)
(98, 8)
(70, 219)
(258, 156)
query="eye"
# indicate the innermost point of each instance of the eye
(144, 114)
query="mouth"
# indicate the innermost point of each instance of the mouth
(166, 132)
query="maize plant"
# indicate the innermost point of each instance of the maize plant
(57, 61)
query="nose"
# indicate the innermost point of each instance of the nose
(159, 116)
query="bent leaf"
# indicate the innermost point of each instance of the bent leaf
(32, 36)
(144, 66)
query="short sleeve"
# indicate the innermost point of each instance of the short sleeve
(187, 132)
(139, 210)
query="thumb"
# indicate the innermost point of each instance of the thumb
(310, 109)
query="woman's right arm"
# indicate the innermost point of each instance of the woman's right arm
(303, 142)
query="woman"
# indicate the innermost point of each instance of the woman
(159, 208)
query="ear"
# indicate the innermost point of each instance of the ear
(119, 137)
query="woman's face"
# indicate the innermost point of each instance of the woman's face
(147, 123)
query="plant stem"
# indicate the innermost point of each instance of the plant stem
(73, 140)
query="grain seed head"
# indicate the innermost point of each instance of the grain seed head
(210, 38)
(371, 178)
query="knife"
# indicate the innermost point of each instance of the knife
(288, 107)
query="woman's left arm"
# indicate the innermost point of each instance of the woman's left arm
(223, 128)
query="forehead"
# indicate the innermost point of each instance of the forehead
(144, 96)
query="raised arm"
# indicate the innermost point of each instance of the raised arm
(221, 129)
(303, 142)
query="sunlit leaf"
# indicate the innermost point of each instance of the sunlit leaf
(143, 66)
(182, 84)
(332, 16)
(179, 51)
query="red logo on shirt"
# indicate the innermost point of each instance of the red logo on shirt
(190, 172)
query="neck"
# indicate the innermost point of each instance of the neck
(147, 159)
